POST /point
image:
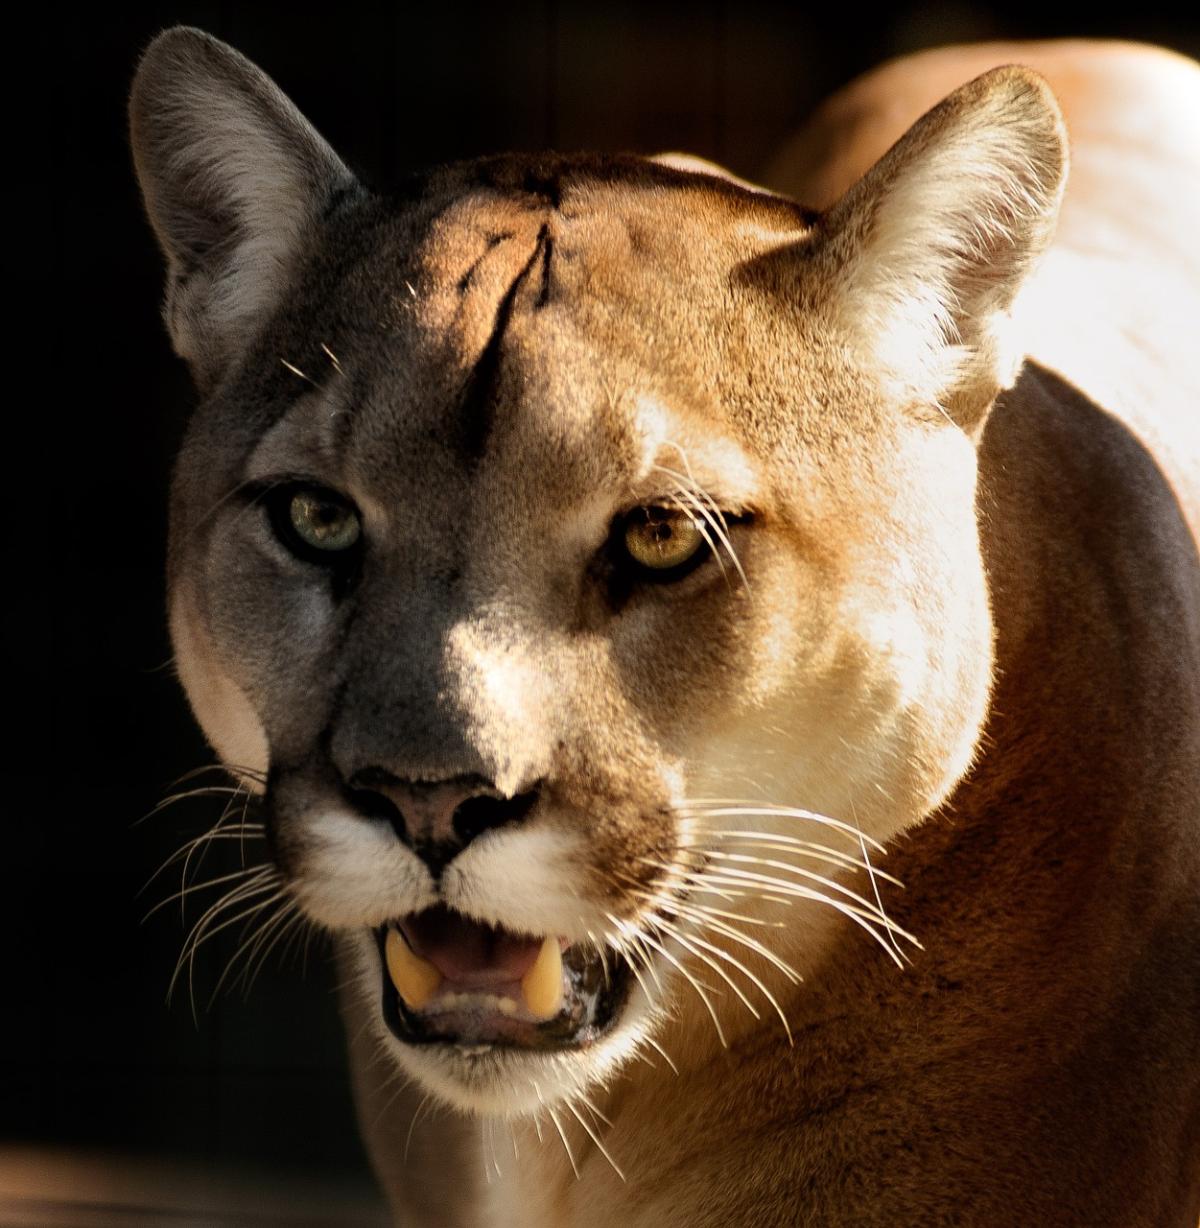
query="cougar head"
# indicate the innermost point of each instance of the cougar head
(533, 508)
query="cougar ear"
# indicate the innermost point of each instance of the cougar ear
(926, 253)
(233, 179)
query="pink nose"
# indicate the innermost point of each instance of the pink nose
(437, 819)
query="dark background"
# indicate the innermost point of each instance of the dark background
(95, 1056)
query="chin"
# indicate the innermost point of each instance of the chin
(497, 1023)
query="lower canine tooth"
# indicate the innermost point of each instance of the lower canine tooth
(416, 979)
(542, 985)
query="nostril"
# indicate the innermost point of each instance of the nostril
(483, 812)
(374, 805)
(437, 819)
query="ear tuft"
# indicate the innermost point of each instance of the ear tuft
(930, 248)
(233, 178)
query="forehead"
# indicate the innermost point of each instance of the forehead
(565, 317)
(576, 323)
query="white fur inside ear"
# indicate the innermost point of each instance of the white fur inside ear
(247, 176)
(935, 242)
(233, 178)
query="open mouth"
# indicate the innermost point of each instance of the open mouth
(450, 980)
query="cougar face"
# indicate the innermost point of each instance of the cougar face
(529, 513)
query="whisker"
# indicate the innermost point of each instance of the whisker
(753, 879)
(593, 1109)
(287, 920)
(401, 1084)
(698, 914)
(718, 873)
(308, 937)
(859, 916)
(722, 807)
(248, 873)
(602, 952)
(490, 1134)
(253, 936)
(711, 917)
(595, 1138)
(562, 1135)
(718, 525)
(412, 1125)
(185, 870)
(800, 871)
(295, 945)
(638, 939)
(662, 1053)
(237, 769)
(632, 961)
(231, 898)
(678, 500)
(202, 933)
(672, 931)
(803, 848)
(185, 795)
(208, 835)
(628, 944)
(721, 953)
(625, 926)
(691, 486)
(680, 879)
(296, 371)
(652, 896)
(872, 874)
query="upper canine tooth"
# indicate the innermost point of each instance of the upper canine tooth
(416, 979)
(542, 985)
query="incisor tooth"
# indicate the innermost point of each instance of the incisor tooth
(542, 985)
(416, 979)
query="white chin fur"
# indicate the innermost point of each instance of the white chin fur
(503, 1082)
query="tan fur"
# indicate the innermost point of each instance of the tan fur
(966, 625)
(1024, 1070)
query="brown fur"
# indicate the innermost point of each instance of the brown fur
(999, 678)
(1040, 1063)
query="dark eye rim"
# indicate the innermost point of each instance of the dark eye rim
(635, 572)
(276, 498)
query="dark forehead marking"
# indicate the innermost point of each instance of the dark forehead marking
(547, 255)
(478, 400)
(464, 282)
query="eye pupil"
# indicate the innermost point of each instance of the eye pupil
(658, 541)
(319, 522)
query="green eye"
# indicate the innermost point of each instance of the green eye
(323, 521)
(315, 524)
(661, 540)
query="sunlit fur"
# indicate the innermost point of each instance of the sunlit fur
(817, 794)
